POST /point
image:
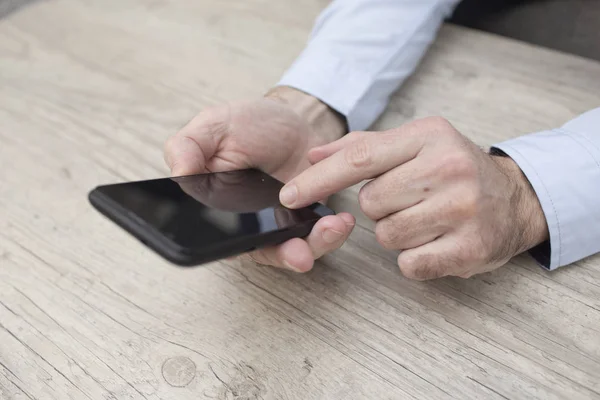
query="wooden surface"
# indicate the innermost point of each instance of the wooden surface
(89, 90)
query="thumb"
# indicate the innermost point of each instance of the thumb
(185, 156)
(189, 150)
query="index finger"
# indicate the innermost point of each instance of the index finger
(362, 159)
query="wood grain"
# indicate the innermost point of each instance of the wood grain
(89, 91)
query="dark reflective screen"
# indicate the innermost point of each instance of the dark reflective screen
(199, 210)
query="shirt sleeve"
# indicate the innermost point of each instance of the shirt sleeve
(360, 52)
(563, 166)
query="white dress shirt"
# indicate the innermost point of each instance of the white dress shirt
(360, 52)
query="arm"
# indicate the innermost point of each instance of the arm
(361, 51)
(563, 166)
(368, 47)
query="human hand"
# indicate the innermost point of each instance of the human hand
(451, 208)
(274, 135)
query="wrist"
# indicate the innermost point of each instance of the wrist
(529, 216)
(324, 121)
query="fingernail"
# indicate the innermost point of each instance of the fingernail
(348, 219)
(290, 267)
(332, 236)
(288, 195)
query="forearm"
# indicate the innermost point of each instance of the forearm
(361, 51)
(563, 167)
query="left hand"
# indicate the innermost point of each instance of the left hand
(274, 135)
(451, 208)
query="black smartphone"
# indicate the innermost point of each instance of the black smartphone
(192, 220)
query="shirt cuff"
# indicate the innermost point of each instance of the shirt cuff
(319, 73)
(565, 174)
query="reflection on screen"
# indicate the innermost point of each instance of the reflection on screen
(199, 210)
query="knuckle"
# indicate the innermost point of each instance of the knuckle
(439, 122)
(211, 120)
(387, 234)
(359, 155)
(407, 263)
(462, 206)
(433, 129)
(459, 164)
(436, 126)
(364, 195)
(367, 201)
(417, 266)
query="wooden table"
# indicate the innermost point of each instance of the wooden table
(89, 91)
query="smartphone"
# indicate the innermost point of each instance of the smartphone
(195, 219)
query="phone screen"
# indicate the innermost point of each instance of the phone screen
(198, 211)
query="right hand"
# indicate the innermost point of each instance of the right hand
(273, 134)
